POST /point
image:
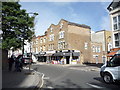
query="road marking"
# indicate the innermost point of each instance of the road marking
(42, 80)
(94, 86)
(46, 78)
(49, 87)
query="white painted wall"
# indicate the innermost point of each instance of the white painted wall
(111, 22)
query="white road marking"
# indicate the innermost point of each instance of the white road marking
(42, 80)
(46, 78)
(94, 86)
(49, 87)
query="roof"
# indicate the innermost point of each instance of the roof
(114, 4)
(76, 24)
(80, 25)
(103, 31)
(40, 36)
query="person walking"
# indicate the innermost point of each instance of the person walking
(11, 62)
(18, 63)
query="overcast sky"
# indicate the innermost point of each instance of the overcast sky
(93, 14)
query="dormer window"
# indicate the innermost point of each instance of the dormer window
(61, 25)
(51, 29)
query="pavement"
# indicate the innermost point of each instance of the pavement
(26, 79)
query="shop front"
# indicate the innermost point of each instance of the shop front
(67, 57)
(41, 57)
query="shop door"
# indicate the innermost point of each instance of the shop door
(67, 59)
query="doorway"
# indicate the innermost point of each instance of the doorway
(67, 59)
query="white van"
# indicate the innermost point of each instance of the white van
(110, 72)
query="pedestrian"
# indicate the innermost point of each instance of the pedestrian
(11, 62)
(18, 63)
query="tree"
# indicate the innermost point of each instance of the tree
(17, 25)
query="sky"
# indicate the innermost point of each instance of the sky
(93, 14)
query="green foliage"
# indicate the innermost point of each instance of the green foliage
(16, 24)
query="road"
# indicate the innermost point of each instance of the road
(56, 76)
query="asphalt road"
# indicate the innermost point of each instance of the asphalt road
(65, 77)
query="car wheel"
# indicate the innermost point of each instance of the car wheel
(107, 78)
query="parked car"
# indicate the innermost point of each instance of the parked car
(110, 72)
(27, 60)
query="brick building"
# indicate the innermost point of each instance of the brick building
(96, 53)
(60, 42)
(102, 37)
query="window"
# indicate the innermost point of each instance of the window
(119, 21)
(44, 48)
(93, 48)
(51, 47)
(41, 48)
(51, 37)
(114, 19)
(51, 29)
(41, 40)
(36, 41)
(98, 49)
(61, 45)
(115, 61)
(116, 22)
(44, 40)
(117, 39)
(61, 34)
(61, 25)
(86, 45)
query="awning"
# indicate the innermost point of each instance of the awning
(76, 54)
(58, 54)
(48, 54)
(112, 53)
(66, 54)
